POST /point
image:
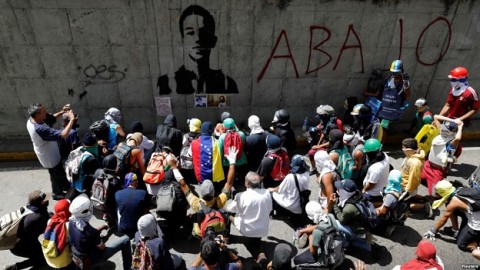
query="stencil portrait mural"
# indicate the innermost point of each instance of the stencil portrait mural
(195, 76)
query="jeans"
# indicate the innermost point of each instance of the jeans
(352, 238)
(112, 247)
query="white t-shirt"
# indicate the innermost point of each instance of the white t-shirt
(253, 208)
(378, 175)
(146, 143)
(45, 143)
(437, 151)
(288, 196)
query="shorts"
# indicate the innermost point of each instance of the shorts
(432, 174)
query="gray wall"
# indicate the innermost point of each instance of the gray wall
(97, 54)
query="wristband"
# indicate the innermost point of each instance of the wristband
(177, 174)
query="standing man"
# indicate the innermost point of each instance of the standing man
(45, 144)
(462, 101)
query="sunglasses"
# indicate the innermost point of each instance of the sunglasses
(458, 80)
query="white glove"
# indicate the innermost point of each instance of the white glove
(232, 155)
(430, 234)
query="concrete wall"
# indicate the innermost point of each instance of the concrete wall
(292, 54)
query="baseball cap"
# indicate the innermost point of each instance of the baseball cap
(37, 198)
(206, 189)
(282, 257)
(346, 184)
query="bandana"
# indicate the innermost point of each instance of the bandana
(254, 125)
(458, 88)
(148, 227)
(343, 196)
(80, 223)
(56, 231)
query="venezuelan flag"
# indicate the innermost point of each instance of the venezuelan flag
(207, 161)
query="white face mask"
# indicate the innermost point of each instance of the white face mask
(458, 88)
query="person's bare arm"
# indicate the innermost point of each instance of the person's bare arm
(66, 130)
(327, 181)
(455, 203)
(198, 261)
(334, 157)
(468, 114)
(139, 160)
(120, 131)
(173, 162)
(445, 109)
(357, 158)
(368, 186)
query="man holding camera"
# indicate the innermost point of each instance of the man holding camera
(45, 144)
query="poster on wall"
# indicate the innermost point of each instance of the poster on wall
(195, 75)
(212, 101)
(163, 105)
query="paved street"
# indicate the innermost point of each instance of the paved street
(18, 179)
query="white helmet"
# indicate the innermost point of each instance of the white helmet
(420, 102)
(81, 206)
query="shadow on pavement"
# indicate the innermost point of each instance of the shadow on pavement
(405, 235)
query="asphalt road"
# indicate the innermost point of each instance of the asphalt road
(18, 179)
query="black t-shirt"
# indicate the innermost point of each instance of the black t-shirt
(255, 149)
(85, 241)
(265, 169)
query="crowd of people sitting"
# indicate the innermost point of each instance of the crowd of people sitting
(229, 177)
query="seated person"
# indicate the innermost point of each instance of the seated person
(286, 197)
(150, 236)
(30, 227)
(391, 194)
(55, 245)
(214, 254)
(87, 245)
(327, 176)
(351, 223)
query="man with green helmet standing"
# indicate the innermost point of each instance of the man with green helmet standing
(377, 174)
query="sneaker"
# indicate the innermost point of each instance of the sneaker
(428, 210)
(302, 241)
(389, 230)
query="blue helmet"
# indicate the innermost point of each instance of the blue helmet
(396, 66)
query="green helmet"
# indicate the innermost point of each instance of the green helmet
(372, 145)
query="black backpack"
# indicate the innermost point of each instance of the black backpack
(368, 213)
(330, 254)
(123, 153)
(101, 129)
(399, 211)
(471, 195)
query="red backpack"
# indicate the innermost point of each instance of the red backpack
(155, 173)
(213, 218)
(281, 167)
(232, 138)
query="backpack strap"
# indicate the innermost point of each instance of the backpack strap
(296, 182)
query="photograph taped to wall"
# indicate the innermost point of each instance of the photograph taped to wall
(219, 101)
(163, 105)
(201, 101)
